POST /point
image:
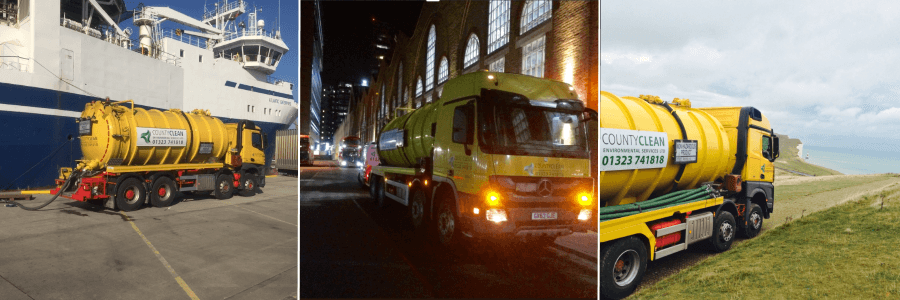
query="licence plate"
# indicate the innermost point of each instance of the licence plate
(543, 215)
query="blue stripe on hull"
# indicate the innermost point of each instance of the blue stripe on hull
(26, 138)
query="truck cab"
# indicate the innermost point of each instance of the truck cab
(498, 156)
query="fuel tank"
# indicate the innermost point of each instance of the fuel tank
(637, 148)
(121, 134)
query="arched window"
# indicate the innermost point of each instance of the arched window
(498, 25)
(534, 13)
(429, 60)
(443, 71)
(472, 51)
(418, 86)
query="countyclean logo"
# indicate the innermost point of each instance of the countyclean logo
(146, 136)
(161, 137)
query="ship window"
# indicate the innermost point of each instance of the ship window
(24, 10)
(248, 108)
(182, 52)
(251, 53)
(276, 57)
(263, 54)
(201, 58)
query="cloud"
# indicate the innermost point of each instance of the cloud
(814, 68)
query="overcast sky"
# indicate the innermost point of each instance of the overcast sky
(827, 72)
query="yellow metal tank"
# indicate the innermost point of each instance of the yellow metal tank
(629, 125)
(114, 134)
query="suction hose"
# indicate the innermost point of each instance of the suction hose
(64, 187)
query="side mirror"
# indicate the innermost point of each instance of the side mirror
(775, 146)
(589, 115)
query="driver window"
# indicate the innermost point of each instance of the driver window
(766, 147)
(257, 140)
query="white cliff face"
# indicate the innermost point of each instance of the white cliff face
(800, 150)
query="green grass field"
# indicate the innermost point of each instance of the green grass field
(847, 252)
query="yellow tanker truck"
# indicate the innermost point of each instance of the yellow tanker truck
(671, 176)
(132, 155)
(497, 156)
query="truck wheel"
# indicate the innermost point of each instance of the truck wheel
(622, 267)
(377, 188)
(130, 195)
(248, 182)
(163, 192)
(223, 187)
(417, 209)
(723, 232)
(446, 225)
(754, 222)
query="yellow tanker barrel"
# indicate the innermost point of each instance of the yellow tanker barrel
(112, 134)
(637, 148)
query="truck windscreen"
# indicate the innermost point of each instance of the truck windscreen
(511, 124)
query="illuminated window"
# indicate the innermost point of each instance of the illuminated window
(497, 65)
(429, 60)
(472, 51)
(443, 71)
(498, 25)
(533, 58)
(418, 86)
(383, 104)
(534, 13)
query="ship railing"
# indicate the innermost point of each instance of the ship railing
(276, 81)
(14, 62)
(107, 35)
(186, 38)
(251, 33)
(222, 7)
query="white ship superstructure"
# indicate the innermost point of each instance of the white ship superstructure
(57, 55)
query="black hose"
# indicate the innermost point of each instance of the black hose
(61, 190)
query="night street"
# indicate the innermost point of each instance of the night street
(351, 248)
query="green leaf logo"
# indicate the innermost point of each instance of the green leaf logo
(146, 136)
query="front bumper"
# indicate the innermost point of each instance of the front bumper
(519, 224)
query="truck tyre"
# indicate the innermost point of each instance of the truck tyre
(377, 188)
(130, 194)
(416, 209)
(754, 222)
(446, 225)
(224, 185)
(248, 183)
(163, 192)
(622, 266)
(723, 232)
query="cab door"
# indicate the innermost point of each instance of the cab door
(253, 147)
(760, 155)
(458, 146)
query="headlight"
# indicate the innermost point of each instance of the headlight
(343, 163)
(359, 164)
(496, 215)
(584, 215)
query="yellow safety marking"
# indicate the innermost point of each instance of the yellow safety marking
(165, 263)
(35, 192)
(265, 215)
(270, 176)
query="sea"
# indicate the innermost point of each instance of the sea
(853, 161)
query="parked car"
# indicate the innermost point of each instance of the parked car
(369, 159)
